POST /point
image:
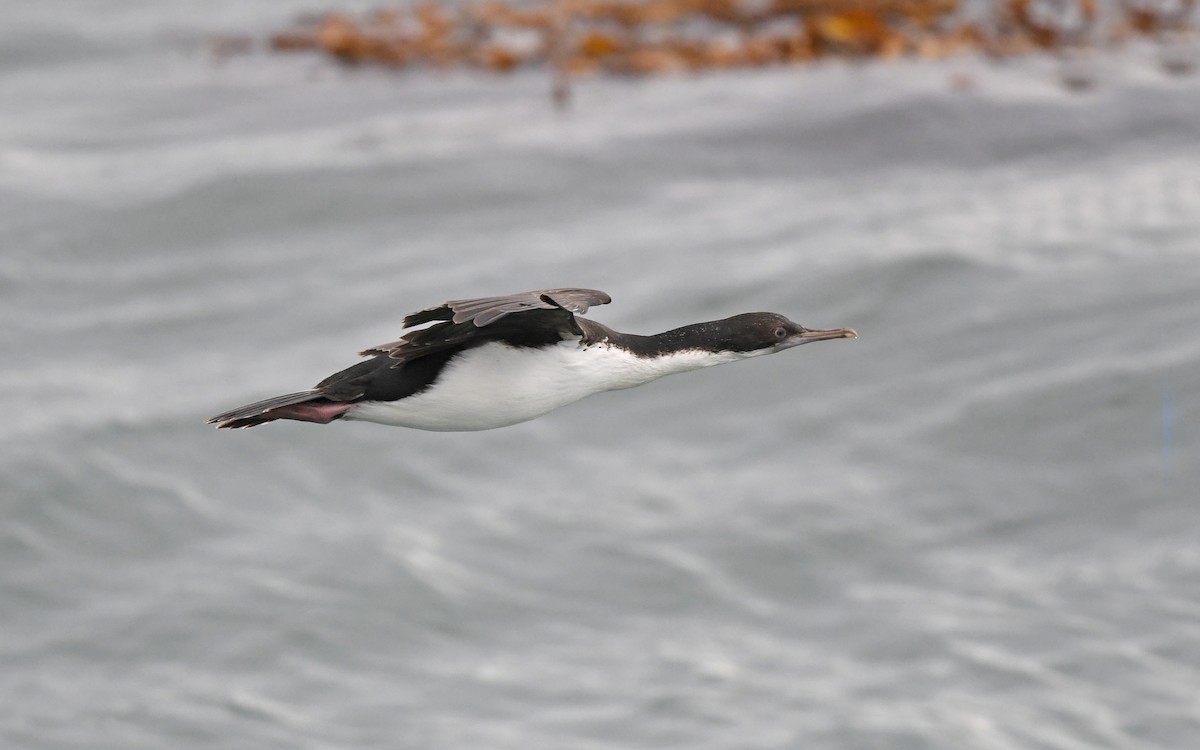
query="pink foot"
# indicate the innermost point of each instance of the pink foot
(310, 412)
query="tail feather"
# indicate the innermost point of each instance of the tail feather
(296, 406)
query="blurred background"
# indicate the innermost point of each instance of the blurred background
(974, 527)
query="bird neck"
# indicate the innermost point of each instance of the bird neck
(680, 349)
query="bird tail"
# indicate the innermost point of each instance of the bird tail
(305, 406)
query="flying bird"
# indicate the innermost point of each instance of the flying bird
(478, 364)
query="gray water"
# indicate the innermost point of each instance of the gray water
(975, 527)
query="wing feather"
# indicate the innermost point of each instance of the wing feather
(458, 321)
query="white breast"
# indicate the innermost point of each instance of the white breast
(496, 385)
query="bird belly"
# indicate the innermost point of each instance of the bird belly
(496, 385)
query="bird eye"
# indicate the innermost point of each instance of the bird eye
(781, 333)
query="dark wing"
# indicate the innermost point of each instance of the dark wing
(487, 310)
(539, 317)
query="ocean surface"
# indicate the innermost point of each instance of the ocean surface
(977, 526)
